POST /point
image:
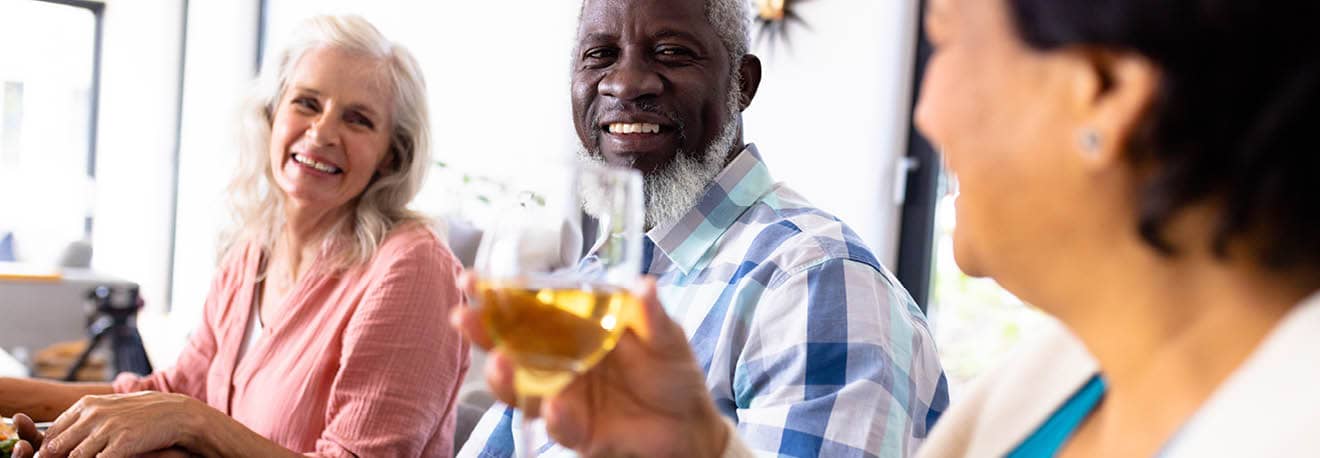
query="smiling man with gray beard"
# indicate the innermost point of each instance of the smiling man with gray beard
(807, 343)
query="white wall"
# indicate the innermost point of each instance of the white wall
(831, 117)
(220, 64)
(136, 142)
(497, 76)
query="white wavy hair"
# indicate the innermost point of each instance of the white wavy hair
(257, 203)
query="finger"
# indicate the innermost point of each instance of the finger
(499, 376)
(468, 321)
(470, 284)
(565, 415)
(651, 323)
(27, 430)
(64, 443)
(22, 449)
(61, 423)
(90, 446)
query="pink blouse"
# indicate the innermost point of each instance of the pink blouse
(359, 363)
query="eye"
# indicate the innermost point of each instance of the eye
(307, 104)
(599, 55)
(673, 51)
(674, 54)
(360, 119)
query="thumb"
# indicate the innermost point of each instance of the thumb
(650, 321)
(27, 430)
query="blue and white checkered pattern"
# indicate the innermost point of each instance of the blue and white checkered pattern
(807, 342)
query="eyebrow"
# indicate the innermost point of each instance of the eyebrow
(674, 33)
(366, 110)
(599, 37)
(301, 88)
(362, 107)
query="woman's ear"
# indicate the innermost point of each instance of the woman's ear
(1113, 91)
(388, 162)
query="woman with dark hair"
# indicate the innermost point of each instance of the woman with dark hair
(1139, 169)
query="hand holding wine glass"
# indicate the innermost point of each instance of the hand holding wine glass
(645, 398)
(550, 307)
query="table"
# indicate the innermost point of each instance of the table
(17, 271)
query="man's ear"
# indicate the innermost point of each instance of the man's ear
(750, 71)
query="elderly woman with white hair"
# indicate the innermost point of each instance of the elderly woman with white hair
(325, 329)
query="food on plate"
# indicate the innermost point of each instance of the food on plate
(8, 437)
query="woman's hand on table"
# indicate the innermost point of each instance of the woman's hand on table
(647, 397)
(125, 425)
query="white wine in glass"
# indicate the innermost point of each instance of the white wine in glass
(552, 307)
(553, 332)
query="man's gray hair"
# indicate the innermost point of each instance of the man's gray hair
(731, 20)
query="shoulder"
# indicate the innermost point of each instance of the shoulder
(787, 230)
(1005, 405)
(235, 262)
(412, 272)
(1272, 383)
(413, 244)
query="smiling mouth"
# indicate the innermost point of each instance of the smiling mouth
(321, 166)
(622, 128)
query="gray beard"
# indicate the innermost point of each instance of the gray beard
(674, 188)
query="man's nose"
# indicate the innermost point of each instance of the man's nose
(632, 78)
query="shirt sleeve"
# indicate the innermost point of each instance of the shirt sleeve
(401, 364)
(837, 361)
(189, 372)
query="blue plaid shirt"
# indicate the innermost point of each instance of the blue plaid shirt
(807, 342)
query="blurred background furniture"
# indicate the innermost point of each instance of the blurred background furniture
(44, 303)
(41, 309)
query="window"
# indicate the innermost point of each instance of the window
(976, 323)
(47, 124)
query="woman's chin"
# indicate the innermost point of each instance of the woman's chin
(303, 198)
(968, 262)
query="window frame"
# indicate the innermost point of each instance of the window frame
(921, 194)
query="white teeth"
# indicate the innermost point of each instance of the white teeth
(634, 128)
(327, 168)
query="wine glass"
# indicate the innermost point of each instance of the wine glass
(554, 271)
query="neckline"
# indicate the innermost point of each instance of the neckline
(1051, 435)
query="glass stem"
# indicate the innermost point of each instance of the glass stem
(528, 432)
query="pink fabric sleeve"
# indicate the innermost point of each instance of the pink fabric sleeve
(188, 374)
(401, 364)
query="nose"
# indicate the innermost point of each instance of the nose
(632, 78)
(324, 131)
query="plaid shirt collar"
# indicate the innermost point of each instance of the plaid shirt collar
(687, 239)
